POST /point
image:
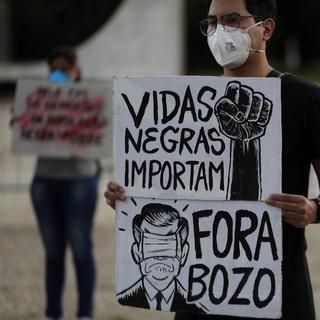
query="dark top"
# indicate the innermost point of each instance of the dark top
(301, 143)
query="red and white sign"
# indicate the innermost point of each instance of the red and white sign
(62, 120)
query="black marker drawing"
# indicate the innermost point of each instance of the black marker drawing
(243, 116)
(160, 249)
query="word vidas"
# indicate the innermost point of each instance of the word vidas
(173, 106)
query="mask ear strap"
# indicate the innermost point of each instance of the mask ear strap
(252, 26)
(247, 29)
(257, 50)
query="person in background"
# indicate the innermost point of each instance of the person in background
(64, 196)
(237, 32)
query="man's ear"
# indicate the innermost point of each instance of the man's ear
(135, 253)
(269, 26)
(184, 253)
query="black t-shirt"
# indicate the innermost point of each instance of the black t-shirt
(300, 101)
(300, 144)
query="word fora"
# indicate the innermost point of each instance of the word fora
(243, 232)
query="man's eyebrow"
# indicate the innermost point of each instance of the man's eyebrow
(227, 14)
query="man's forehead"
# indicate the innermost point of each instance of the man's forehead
(222, 7)
(163, 230)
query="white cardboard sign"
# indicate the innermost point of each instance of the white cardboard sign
(213, 257)
(205, 138)
(183, 146)
(63, 120)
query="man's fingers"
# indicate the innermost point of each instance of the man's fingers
(286, 197)
(297, 220)
(256, 107)
(114, 195)
(287, 206)
(114, 191)
(291, 215)
(265, 113)
(287, 202)
(115, 187)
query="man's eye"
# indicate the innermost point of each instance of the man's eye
(212, 23)
(232, 21)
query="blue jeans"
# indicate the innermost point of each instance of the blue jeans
(65, 211)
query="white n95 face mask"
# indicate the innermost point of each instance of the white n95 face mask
(231, 48)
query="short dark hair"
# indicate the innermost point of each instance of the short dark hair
(263, 8)
(65, 52)
(160, 215)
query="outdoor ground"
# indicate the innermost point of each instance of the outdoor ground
(21, 255)
(21, 266)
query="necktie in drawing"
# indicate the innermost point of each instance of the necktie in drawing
(158, 299)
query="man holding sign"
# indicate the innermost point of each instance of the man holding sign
(237, 33)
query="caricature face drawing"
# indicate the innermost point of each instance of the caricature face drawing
(161, 249)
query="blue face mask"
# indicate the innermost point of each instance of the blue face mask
(59, 76)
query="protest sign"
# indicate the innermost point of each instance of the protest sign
(214, 257)
(205, 138)
(197, 155)
(63, 120)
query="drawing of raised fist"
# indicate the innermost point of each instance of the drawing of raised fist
(243, 116)
(242, 113)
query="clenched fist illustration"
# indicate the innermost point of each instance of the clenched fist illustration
(242, 113)
(243, 116)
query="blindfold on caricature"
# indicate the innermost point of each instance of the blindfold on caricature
(155, 245)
